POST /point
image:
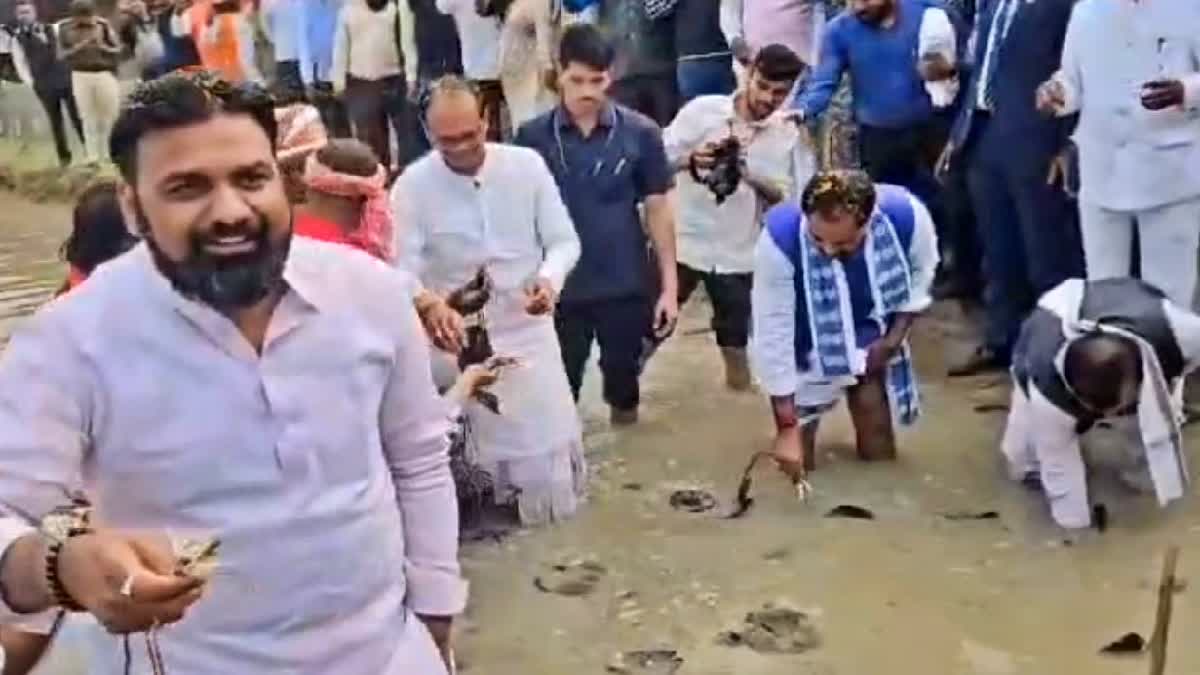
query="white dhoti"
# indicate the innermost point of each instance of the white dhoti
(534, 447)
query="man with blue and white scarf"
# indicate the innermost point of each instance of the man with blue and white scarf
(838, 280)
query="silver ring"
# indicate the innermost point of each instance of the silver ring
(127, 587)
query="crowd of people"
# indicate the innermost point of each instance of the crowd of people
(308, 320)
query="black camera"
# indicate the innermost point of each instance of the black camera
(723, 178)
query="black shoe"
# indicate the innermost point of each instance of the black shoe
(982, 361)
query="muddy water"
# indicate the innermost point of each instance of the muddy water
(909, 593)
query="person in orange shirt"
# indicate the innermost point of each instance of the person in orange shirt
(224, 35)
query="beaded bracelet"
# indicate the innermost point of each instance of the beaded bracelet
(54, 582)
(59, 526)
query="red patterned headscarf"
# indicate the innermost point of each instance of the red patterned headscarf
(374, 233)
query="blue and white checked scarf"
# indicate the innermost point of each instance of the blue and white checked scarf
(832, 326)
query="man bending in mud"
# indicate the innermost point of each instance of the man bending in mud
(838, 280)
(1093, 350)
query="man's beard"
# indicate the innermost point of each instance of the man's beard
(225, 283)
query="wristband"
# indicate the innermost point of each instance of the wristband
(54, 582)
(58, 527)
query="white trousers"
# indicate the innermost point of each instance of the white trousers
(1169, 239)
(1040, 439)
(1052, 452)
(98, 96)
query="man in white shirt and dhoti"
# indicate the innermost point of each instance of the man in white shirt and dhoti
(838, 280)
(473, 205)
(1131, 69)
(225, 381)
(1095, 350)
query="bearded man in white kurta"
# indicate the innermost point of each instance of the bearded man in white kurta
(471, 205)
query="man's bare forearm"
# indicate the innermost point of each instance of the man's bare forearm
(22, 576)
(783, 409)
(660, 221)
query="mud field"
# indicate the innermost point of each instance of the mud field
(910, 592)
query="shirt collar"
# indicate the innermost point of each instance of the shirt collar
(606, 120)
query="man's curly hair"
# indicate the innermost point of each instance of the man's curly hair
(846, 190)
(181, 99)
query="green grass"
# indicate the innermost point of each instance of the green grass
(31, 169)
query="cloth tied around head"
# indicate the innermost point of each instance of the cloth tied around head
(374, 231)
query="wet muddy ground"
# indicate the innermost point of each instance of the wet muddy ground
(907, 593)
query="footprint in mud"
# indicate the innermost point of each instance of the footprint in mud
(774, 630)
(646, 662)
(573, 580)
(692, 501)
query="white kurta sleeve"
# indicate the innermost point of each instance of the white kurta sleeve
(555, 230)
(1191, 91)
(413, 426)
(408, 232)
(1064, 476)
(773, 310)
(1017, 443)
(730, 18)
(1191, 81)
(937, 37)
(1070, 73)
(922, 258)
(685, 133)
(45, 414)
(1186, 327)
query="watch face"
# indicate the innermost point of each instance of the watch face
(59, 523)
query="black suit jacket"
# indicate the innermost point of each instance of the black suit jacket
(1028, 57)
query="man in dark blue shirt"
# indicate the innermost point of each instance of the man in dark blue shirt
(608, 160)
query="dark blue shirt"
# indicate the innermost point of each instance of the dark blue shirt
(886, 87)
(603, 177)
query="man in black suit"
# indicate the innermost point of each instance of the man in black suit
(37, 62)
(1014, 157)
